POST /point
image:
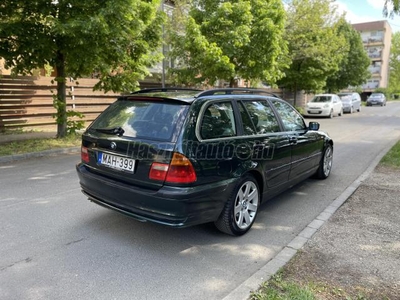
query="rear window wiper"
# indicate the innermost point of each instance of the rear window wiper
(115, 131)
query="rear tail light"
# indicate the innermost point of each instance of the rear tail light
(180, 170)
(84, 154)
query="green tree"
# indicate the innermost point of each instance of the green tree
(391, 7)
(353, 68)
(117, 40)
(394, 64)
(315, 48)
(230, 40)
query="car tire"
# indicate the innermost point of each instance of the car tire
(359, 109)
(325, 165)
(340, 113)
(241, 209)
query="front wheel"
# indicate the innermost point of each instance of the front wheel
(240, 210)
(325, 165)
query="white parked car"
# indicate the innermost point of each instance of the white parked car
(324, 105)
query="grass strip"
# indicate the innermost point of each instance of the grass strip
(37, 145)
(392, 158)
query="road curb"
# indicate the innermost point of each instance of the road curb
(52, 152)
(243, 291)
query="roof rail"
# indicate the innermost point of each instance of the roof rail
(166, 90)
(228, 91)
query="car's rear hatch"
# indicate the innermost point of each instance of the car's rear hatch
(134, 137)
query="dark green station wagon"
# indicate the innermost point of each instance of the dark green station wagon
(183, 157)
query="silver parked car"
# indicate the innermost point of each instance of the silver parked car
(351, 102)
(376, 99)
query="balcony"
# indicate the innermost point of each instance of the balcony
(373, 41)
(375, 70)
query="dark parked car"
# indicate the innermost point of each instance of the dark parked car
(376, 99)
(186, 157)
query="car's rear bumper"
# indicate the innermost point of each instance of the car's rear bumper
(172, 206)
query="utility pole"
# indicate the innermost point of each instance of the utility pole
(163, 52)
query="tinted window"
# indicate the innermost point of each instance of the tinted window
(248, 125)
(153, 120)
(218, 121)
(291, 119)
(262, 116)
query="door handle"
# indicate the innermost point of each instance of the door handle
(293, 140)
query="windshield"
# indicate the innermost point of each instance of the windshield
(345, 98)
(376, 95)
(321, 99)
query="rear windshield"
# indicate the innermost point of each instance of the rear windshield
(141, 119)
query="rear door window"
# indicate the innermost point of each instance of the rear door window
(262, 116)
(142, 119)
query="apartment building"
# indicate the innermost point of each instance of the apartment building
(377, 38)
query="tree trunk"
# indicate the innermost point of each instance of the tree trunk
(61, 96)
(232, 83)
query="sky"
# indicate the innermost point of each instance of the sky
(360, 11)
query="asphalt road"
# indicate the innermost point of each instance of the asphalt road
(54, 244)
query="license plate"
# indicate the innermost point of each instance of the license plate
(116, 162)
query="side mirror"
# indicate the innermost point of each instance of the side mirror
(313, 126)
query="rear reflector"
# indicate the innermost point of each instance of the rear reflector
(84, 154)
(158, 171)
(180, 170)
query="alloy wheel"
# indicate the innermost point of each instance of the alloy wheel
(246, 205)
(327, 164)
